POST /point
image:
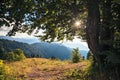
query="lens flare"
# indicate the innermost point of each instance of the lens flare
(77, 23)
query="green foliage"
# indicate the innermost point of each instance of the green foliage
(77, 74)
(10, 56)
(19, 54)
(55, 17)
(16, 55)
(5, 72)
(112, 57)
(90, 55)
(116, 43)
(75, 56)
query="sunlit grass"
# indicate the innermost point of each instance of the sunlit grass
(39, 67)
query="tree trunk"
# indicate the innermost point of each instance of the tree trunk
(92, 28)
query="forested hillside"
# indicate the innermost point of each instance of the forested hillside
(43, 49)
(53, 50)
(7, 46)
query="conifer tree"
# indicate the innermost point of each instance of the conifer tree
(75, 56)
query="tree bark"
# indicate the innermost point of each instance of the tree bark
(100, 34)
(92, 28)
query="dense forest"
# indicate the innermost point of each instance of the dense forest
(99, 26)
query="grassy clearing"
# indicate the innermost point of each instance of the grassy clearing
(44, 69)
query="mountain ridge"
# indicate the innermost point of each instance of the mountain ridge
(48, 50)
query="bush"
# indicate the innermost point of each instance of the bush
(5, 71)
(77, 74)
(19, 55)
(16, 55)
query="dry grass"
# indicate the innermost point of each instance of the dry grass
(43, 69)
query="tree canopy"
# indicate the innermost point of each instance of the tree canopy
(55, 17)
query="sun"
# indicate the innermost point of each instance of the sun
(77, 23)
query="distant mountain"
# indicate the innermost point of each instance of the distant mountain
(46, 50)
(56, 50)
(49, 50)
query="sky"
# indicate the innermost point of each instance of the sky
(23, 37)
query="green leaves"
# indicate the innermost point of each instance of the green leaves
(16, 55)
(27, 15)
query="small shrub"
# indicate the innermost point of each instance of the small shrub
(77, 74)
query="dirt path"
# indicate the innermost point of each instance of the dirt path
(55, 73)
